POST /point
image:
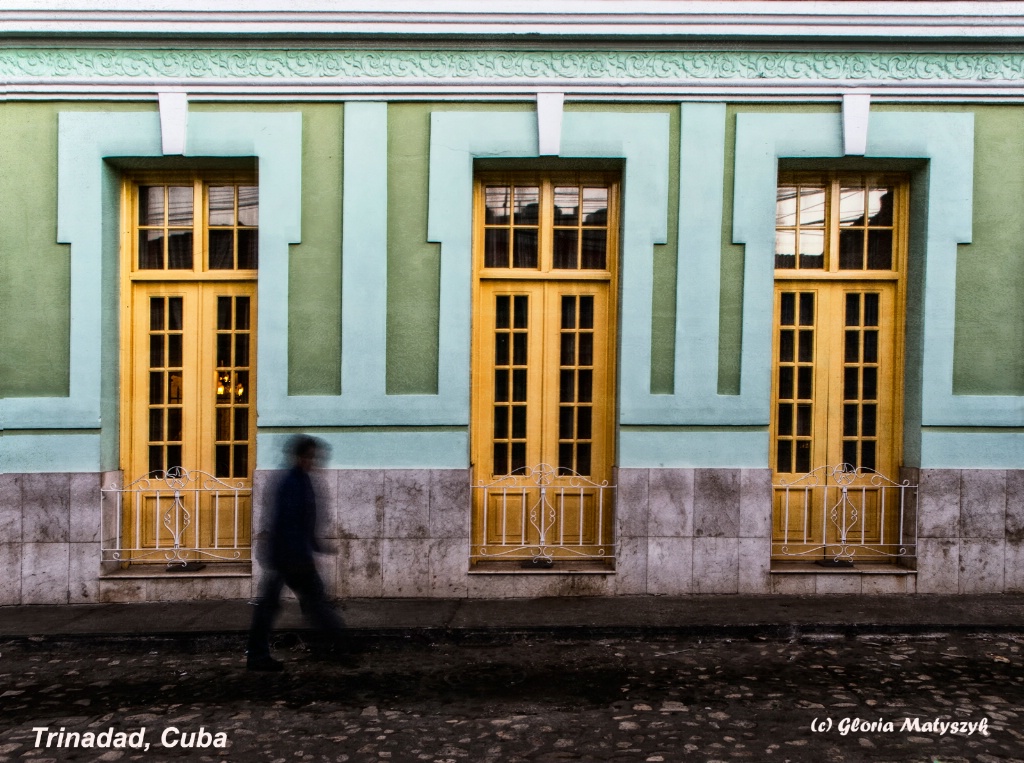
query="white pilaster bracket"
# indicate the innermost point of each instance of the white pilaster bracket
(856, 108)
(549, 123)
(173, 121)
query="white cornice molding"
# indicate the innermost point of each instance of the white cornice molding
(614, 19)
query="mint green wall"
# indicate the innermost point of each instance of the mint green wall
(314, 267)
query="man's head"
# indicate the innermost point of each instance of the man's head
(304, 451)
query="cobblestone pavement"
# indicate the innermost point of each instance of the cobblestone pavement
(524, 698)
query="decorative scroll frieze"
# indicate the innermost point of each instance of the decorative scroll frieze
(20, 64)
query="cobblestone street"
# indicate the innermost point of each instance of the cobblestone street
(523, 698)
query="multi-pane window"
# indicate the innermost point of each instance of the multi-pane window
(197, 227)
(835, 223)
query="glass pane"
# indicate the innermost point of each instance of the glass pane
(222, 205)
(501, 349)
(786, 345)
(803, 420)
(880, 201)
(496, 248)
(156, 458)
(519, 385)
(595, 245)
(851, 206)
(803, 457)
(224, 387)
(850, 420)
(586, 350)
(241, 423)
(850, 453)
(224, 313)
(151, 205)
(156, 314)
(595, 207)
(527, 205)
(223, 454)
(867, 454)
(519, 422)
(156, 350)
(583, 422)
(241, 458)
(223, 350)
(524, 248)
(566, 423)
(870, 346)
(151, 250)
(785, 205)
(224, 424)
(174, 424)
(870, 383)
(812, 248)
(174, 387)
(174, 355)
(242, 313)
(174, 313)
(242, 387)
(880, 250)
(248, 205)
(869, 423)
(804, 378)
(565, 246)
(521, 305)
(806, 346)
(586, 386)
(807, 309)
(784, 421)
(785, 249)
(586, 312)
(568, 312)
(852, 346)
(853, 309)
(179, 205)
(851, 249)
(567, 203)
(870, 309)
(501, 421)
(568, 353)
(787, 311)
(812, 206)
(501, 386)
(179, 250)
(222, 249)
(583, 458)
(786, 382)
(784, 456)
(500, 458)
(497, 203)
(567, 387)
(248, 249)
(502, 313)
(851, 384)
(519, 349)
(156, 424)
(565, 458)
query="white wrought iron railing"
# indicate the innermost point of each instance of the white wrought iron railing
(177, 517)
(542, 514)
(841, 514)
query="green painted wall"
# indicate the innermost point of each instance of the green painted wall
(35, 279)
(314, 268)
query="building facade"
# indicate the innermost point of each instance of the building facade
(586, 298)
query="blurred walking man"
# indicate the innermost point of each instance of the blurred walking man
(289, 556)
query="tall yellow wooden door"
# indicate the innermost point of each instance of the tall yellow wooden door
(837, 370)
(188, 415)
(543, 369)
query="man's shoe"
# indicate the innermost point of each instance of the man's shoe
(264, 664)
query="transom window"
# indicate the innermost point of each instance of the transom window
(558, 223)
(196, 226)
(835, 223)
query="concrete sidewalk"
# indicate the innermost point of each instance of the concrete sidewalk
(710, 615)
